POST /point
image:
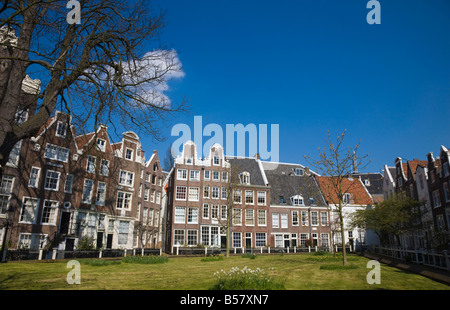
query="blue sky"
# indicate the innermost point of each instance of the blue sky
(314, 66)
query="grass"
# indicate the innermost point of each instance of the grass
(296, 272)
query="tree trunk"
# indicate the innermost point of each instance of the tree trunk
(341, 219)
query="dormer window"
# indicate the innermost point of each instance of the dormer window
(245, 177)
(216, 160)
(346, 198)
(189, 160)
(367, 182)
(101, 144)
(311, 201)
(61, 129)
(282, 200)
(129, 154)
(298, 171)
(297, 200)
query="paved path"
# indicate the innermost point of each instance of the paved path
(429, 272)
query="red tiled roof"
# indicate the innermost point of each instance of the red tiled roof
(352, 186)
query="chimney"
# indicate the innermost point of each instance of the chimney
(257, 156)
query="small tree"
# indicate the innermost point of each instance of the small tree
(392, 217)
(337, 162)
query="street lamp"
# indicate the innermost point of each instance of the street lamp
(8, 222)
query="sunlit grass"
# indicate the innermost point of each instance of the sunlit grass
(298, 272)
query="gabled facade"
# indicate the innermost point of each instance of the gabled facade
(356, 197)
(299, 214)
(65, 187)
(197, 192)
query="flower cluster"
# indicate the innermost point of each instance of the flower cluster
(245, 278)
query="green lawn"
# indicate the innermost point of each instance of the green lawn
(300, 272)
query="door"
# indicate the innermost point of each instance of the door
(109, 240)
(69, 243)
(65, 223)
(99, 240)
(248, 240)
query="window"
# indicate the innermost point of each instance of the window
(192, 237)
(146, 194)
(129, 154)
(261, 217)
(249, 217)
(155, 167)
(261, 198)
(324, 218)
(205, 191)
(61, 129)
(195, 175)
(181, 174)
(298, 171)
(194, 193)
(124, 227)
(314, 218)
(21, 115)
(346, 198)
(152, 196)
(5, 192)
(205, 211)
(216, 160)
(223, 213)
(260, 239)
(101, 144)
(282, 200)
(180, 215)
(367, 182)
(324, 240)
(214, 212)
(56, 153)
(123, 200)
(90, 166)
(237, 217)
(284, 220)
(445, 168)
(158, 197)
(104, 167)
(29, 210)
(237, 239)
(237, 196)
(14, 155)
(446, 192)
(178, 237)
(101, 194)
(304, 218)
(297, 200)
(295, 218)
(192, 216)
(51, 180)
(436, 199)
(68, 184)
(244, 178)
(87, 191)
(34, 177)
(224, 176)
(32, 241)
(303, 238)
(224, 193)
(216, 175)
(180, 193)
(126, 178)
(207, 174)
(248, 197)
(49, 212)
(215, 192)
(275, 220)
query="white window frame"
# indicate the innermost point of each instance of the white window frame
(85, 196)
(60, 125)
(126, 178)
(126, 198)
(53, 212)
(56, 152)
(100, 198)
(24, 205)
(182, 174)
(126, 153)
(36, 178)
(57, 180)
(178, 193)
(68, 183)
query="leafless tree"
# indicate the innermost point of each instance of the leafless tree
(335, 162)
(108, 69)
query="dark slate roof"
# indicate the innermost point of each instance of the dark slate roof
(375, 179)
(284, 182)
(250, 165)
